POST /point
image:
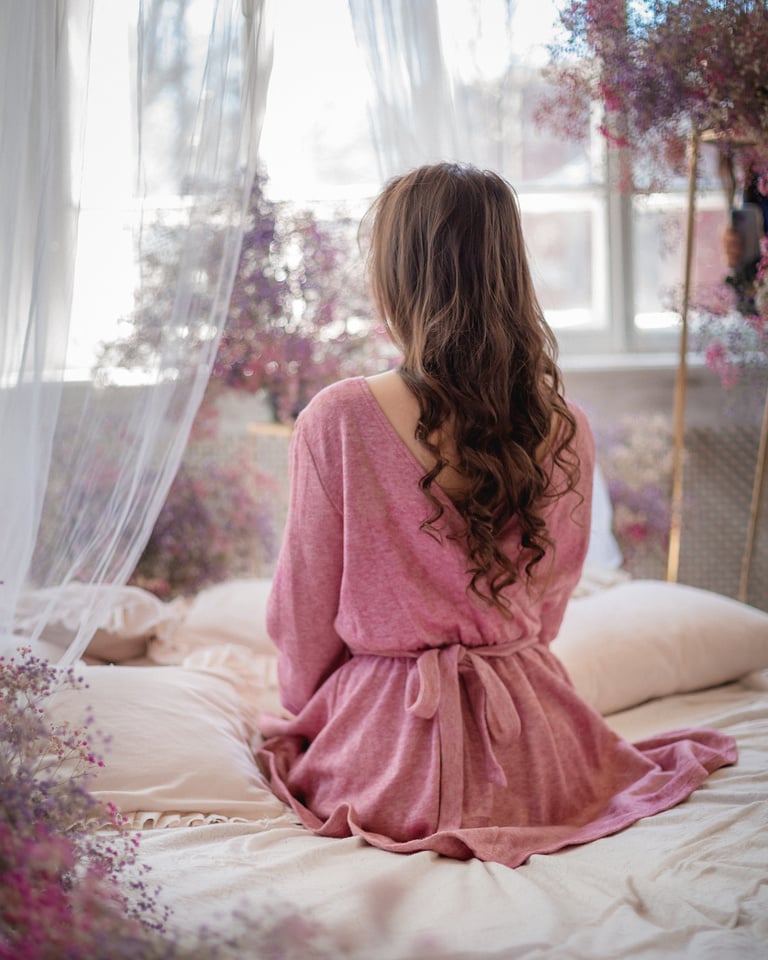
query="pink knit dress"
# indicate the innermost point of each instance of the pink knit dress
(424, 719)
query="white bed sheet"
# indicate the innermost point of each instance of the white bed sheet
(691, 882)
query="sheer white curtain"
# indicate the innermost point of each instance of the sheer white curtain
(103, 182)
(412, 118)
(436, 67)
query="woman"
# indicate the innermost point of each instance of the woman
(438, 522)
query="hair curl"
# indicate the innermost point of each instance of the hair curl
(450, 277)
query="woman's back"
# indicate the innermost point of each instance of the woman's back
(394, 586)
(450, 278)
(426, 717)
(438, 522)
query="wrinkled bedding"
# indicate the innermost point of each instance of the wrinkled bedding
(179, 689)
(689, 882)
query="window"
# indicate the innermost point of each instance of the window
(608, 266)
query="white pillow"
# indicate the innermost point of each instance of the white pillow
(123, 618)
(181, 741)
(231, 612)
(621, 645)
(647, 638)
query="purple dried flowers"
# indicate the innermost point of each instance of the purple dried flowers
(218, 520)
(734, 343)
(636, 457)
(661, 68)
(63, 876)
(71, 884)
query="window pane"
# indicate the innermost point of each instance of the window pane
(565, 246)
(316, 143)
(659, 254)
(547, 158)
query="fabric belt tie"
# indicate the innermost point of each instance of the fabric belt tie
(438, 697)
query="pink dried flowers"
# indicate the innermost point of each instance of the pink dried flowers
(734, 342)
(218, 522)
(661, 68)
(68, 887)
(71, 883)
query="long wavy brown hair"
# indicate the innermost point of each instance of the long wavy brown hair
(450, 277)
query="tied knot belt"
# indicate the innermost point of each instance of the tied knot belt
(437, 695)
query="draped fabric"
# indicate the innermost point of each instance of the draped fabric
(412, 117)
(437, 70)
(127, 153)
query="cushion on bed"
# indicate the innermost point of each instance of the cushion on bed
(123, 618)
(229, 612)
(180, 741)
(622, 644)
(647, 638)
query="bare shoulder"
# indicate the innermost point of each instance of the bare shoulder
(401, 408)
(397, 402)
(560, 424)
(394, 398)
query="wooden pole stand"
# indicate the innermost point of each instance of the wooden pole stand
(681, 380)
(754, 510)
(678, 452)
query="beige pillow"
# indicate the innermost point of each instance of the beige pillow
(232, 612)
(647, 638)
(181, 741)
(123, 618)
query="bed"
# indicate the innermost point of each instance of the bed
(179, 688)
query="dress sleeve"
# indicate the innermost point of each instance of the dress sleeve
(570, 530)
(305, 592)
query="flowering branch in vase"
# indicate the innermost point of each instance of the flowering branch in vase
(299, 315)
(734, 339)
(661, 69)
